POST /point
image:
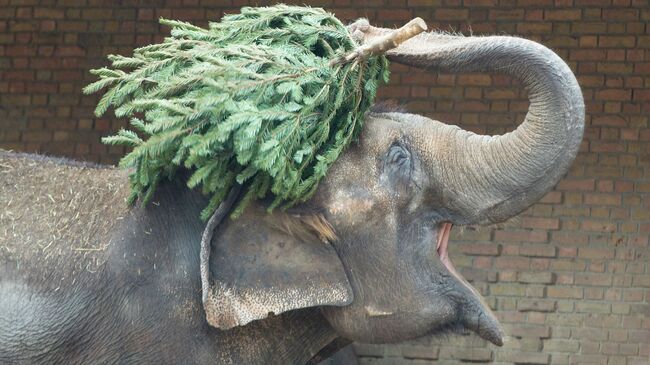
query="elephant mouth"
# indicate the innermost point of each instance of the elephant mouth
(441, 248)
(475, 314)
(443, 253)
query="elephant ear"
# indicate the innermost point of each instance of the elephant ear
(262, 264)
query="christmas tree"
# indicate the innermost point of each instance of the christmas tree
(265, 100)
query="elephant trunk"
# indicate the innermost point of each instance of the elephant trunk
(488, 179)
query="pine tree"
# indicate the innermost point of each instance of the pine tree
(265, 99)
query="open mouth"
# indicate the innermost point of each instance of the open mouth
(478, 316)
(443, 254)
(441, 247)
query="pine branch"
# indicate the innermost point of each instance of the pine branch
(254, 100)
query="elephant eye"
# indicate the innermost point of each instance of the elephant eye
(397, 155)
(398, 165)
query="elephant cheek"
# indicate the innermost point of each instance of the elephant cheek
(354, 322)
(350, 209)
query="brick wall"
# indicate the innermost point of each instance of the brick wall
(569, 278)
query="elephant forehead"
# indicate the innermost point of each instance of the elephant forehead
(379, 133)
(433, 141)
(360, 162)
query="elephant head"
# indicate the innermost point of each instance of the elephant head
(392, 198)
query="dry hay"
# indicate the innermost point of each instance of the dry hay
(303, 227)
(58, 212)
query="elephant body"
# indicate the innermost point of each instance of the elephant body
(137, 298)
(84, 278)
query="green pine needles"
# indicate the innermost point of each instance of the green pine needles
(255, 99)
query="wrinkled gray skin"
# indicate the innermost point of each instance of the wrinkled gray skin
(386, 197)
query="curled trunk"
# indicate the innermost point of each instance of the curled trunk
(488, 179)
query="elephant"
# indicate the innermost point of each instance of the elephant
(86, 279)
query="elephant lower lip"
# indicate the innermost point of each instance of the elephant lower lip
(486, 325)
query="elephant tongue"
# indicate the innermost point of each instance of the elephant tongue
(477, 315)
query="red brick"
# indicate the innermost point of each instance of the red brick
(37, 136)
(564, 292)
(588, 55)
(614, 94)
(23, 13)
(604, 186)
(471, 355)
(49, 13)
(535, 305)
(520, 236)
(514, 263)
(534, 277)
(620, 14)
(394, 14)
(451, 14)
(593, 279)
(534, 28)
(491, 249)
(96, 13)
(537, 250)
(563, 14)
(67, 51)
(553, 197)
(596, 253)
(507, 14)
(145, 14)
(603, 199)
(561, 345)
(21, 50)
(617, 41)
(576, 185)
(519, 330)
(483, 262)
(540, 223)
(475, 80)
